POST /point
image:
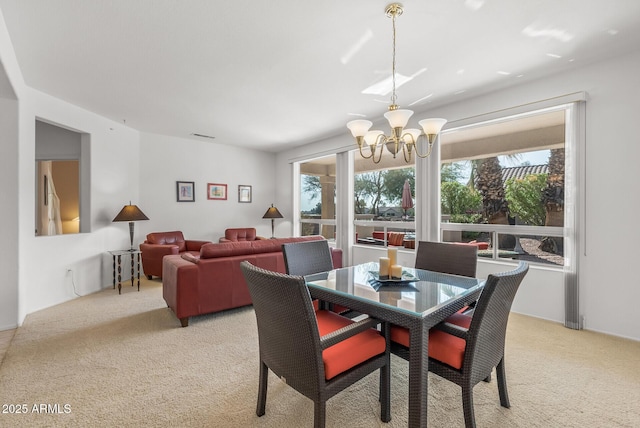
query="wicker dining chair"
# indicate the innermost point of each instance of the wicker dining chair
(440, 257)
(466, 352)
(446, 257)
(307, 257)
(317, 353)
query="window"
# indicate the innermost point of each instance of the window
(502, 187)
(384, 201)
(318, 197)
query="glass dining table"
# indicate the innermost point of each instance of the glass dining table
(421, 300)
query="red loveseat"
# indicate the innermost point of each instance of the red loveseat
(212, 281)
(160, 244)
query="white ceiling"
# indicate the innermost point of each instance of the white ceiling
(273, 74)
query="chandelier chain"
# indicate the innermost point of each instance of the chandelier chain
(393, 65)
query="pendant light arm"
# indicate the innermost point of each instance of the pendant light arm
(360, 142)
(380, 141)
(424, 155)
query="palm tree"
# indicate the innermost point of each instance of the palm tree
(553, 200)
(494, 204)
(489, 184)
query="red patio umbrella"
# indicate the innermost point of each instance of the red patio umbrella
(407, 200)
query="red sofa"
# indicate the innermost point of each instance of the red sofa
(212, 281)
(160, 244)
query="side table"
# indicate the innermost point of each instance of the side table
(135, 268)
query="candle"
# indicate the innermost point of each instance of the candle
(392, 253)
(384, 267)
(396, 271)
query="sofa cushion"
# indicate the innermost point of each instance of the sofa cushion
(228, 249)
(266, 246)
(240, 234)
(172, 238)
(225, 249)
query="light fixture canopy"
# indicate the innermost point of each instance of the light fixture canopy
(130, 213)
(405, 140)
(272, 213)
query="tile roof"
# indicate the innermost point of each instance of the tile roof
(523, 171)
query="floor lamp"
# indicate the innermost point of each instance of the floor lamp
(272, 213)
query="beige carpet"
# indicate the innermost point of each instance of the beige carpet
(111, 360)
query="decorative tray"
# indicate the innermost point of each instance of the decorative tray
(397, 285)
(406, 277)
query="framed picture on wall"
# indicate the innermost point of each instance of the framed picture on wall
(216, 191)
(244, 193)
(185, 191)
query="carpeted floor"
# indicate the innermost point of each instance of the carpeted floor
(108, 360)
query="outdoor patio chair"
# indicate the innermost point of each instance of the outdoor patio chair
(317, 354)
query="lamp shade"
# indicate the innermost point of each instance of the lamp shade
(359, 127)
(272, 212)
(432, 126)
(130, 213)
(398, 118)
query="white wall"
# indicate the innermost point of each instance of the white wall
(609, 287)
(44, 260)
(11, 84)
(8, 205)
(165, 160)
(35, 275)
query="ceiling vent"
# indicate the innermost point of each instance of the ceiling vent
(202, 135)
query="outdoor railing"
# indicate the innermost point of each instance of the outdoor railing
(492, 233)
(526, 239)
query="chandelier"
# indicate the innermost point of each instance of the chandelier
(401, 139)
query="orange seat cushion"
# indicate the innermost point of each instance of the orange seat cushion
(336, 308)
(350, 352)
(442, 346)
